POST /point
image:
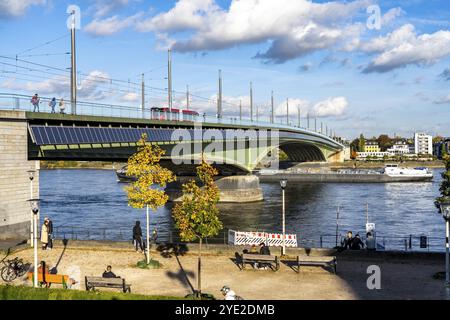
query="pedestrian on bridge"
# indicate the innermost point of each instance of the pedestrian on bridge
(62, 106)
(35, 102)
(52, 104)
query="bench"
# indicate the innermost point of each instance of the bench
(95, 282)
(48, 278)
(259, 258)
(317, 261)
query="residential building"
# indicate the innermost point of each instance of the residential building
(371, 146)
(373, 154)
(423, 143)
(399, 147)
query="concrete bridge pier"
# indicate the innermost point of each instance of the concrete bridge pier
(15, 191)
(237, 189)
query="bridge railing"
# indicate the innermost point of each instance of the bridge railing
(9, 101)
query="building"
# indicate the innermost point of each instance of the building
(373, 155)
(400, 147)
(371, 146)
(423, 144)
(443, 145)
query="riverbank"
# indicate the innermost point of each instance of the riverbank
(403, 276)
(81, 165)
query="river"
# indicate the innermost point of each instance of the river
(92, 204)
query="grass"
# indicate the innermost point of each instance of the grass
(153, 264)
(8, 292)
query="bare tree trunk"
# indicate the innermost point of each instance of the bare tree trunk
(199, 280)
(148, 235)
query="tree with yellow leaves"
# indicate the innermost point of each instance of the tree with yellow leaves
(196, 216)
(147, 191)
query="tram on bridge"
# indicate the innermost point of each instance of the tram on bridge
(157, 113)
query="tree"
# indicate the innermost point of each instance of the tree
(354, 145)
(361, 143)
(147, 190)
(384, 142)
(445, 184)
(196, 216)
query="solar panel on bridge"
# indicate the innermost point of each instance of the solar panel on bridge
(55, 135)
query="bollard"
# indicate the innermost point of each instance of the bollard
(321, 241)
(406, 245)
(410, 242)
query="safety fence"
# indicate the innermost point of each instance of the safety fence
(416, 243)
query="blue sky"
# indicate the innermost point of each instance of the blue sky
(322, 55)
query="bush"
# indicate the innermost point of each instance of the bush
(9, 292)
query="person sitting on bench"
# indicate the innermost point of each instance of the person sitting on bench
(264, 250)
(108, 273)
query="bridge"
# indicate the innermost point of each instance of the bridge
(107, 132)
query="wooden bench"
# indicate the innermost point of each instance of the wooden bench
(317, 261)
(259, 258)
(48, 278)
(95, 282)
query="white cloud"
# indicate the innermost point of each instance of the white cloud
(103, 7)
(88, 88)
(294, 104)
(130, 97)
(111, 25)
(185, 15)
(443, 100)
(391, 15)
(292, 27)
(331, 107)
(17, 8)
(403, 47)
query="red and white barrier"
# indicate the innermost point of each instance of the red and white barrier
(240, 238)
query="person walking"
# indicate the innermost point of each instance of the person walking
(50, 233)
(35, 102)
(62, 106)
(52, 105)
(137, 236)
(44, 235)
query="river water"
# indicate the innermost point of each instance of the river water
(92, 204)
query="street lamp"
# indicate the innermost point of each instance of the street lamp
(31, 174)
(445, 210)
(283, 183)
(34, 203)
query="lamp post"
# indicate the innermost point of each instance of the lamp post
(283, 183)
(34, 203)
(445, 210)
(31, 174)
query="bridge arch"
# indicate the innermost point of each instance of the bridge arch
(302, 152)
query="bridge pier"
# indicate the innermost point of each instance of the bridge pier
(234, 189)
(15, 213)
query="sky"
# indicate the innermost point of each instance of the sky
(362, 66)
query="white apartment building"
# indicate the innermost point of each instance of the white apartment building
(423, 143)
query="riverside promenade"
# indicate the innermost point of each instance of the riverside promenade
(403, 275)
